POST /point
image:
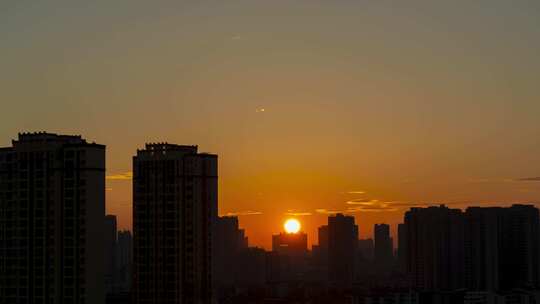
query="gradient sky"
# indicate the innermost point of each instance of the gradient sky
(382, 104)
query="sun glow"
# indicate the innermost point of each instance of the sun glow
(292, 226)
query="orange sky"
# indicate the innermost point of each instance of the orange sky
(407, 101)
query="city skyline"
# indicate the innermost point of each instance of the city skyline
(313, 106)
(388, 213)
(58, 244)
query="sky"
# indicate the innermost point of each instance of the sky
(314, 107)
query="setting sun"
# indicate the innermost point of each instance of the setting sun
(292, 226)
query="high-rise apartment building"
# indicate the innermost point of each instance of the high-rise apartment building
(124, 260)
(290, 258)
(366, 249)
(320, 251)
(52, 205)
(110, 254)
(174, 211)
(402, 248)
(290, 244)
(342, 249)
(482, 249)
(229, 242)
(435, 248)
(482, 239)
(519, 247)
(383, 244)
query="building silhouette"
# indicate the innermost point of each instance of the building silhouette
(481, 249)
(435, 248)
(482, 239)
(288, 262)
(110, 254)
(251, 272)
(52, 205)
(519, 247)
(229, 243)
(383, 245)
(290, 244)
(366, 249)
(124, 261)
(320, 251)
(402, 248)
(342, 248)
(322, 233)
(174, 212)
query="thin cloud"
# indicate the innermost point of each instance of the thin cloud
(326, 211)
(356, 192)
(260, 110)
(528, 179)
(108, 189)
(361, 202)
(242, 213)
(297, 213)
(370, 206)
(121, 176)
(380, 208)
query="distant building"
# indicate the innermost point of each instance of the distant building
(502, 247)
(402, 248)
(366, 249)
(290, 244)
(483, 249)
(52, 205)
(275, 269)
(290, 259)
(320, 251)
(110, 254)
(383, 245)
(482, 238)
(229, 242)
(342, 248)
(124, 262)
(323, 237)
(519, 244)
(251, 272)
(436, 248)
(174, 213)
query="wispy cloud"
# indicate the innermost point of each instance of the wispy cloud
(370, 206)
(108, 189)
(260, 110)
(242, 213)
(528, 179)
(361, 202)
(297, 213)
(121, 176)
(326, 211)
(355, 192)
(379, 208)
